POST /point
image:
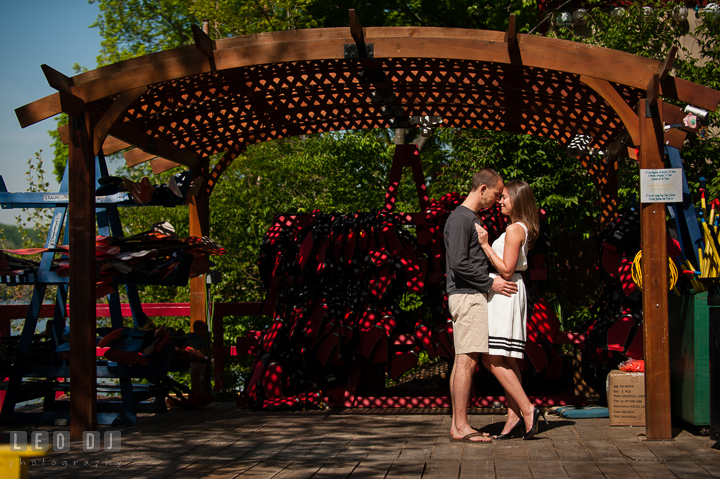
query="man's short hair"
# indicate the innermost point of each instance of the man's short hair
(487, 177)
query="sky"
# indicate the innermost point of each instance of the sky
(53, 32)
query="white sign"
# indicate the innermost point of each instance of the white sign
(661, 186)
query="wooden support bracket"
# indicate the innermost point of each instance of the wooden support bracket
(668, 63)
(113, 114)
(653, 90)
(511, 33)
(356, 30)
(617, 103)
(56, 79)
(205, 44)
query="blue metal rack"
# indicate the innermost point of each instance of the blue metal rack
(17, 388)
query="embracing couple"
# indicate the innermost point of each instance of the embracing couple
(489, 309)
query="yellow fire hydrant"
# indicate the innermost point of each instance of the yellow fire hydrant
(14, 464)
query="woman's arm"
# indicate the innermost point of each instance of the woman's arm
(514, 238)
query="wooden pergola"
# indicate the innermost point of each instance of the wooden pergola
(183, 106)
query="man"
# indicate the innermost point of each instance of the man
(468, 283)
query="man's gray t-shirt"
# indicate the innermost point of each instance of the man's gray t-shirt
(466, 263)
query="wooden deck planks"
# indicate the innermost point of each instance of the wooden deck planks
(222, 441)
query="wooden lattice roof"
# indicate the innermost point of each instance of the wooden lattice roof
(189, 103)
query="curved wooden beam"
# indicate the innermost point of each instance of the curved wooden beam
(113, 114)
(616, 102)
(389, 42)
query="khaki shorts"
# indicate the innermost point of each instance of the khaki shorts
(470, 322)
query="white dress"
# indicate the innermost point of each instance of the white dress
(507, 315)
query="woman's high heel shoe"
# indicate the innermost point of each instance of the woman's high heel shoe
(515, 431)
(537, 413)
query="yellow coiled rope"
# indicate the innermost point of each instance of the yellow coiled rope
(637, 271)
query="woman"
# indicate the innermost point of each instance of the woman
(507, 315)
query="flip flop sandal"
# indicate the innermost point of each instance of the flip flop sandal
(150, 253)
(130, 358)
(195, 186)
(103, 289)
(152, 347)
(106, 250)
(120, 266)
(146, 190)
(109, 338)
(133, 190)
(468, 438)
(172, 184)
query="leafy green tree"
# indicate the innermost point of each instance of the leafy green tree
(650, 31)
(283, 175)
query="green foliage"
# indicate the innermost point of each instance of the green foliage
(486, 15)
(132, 28)
(231, 17)
(37, 220)
(651, 34)
(560, 183)
(348, 172)
(31, 230)
(60, 149)
(636, 31)
(411, 302)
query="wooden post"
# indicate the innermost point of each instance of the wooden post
(199, 216)
(81, 216)
(654, 282)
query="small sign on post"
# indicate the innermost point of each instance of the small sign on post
(661, 185)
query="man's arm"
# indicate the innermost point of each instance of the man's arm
(458, 255)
